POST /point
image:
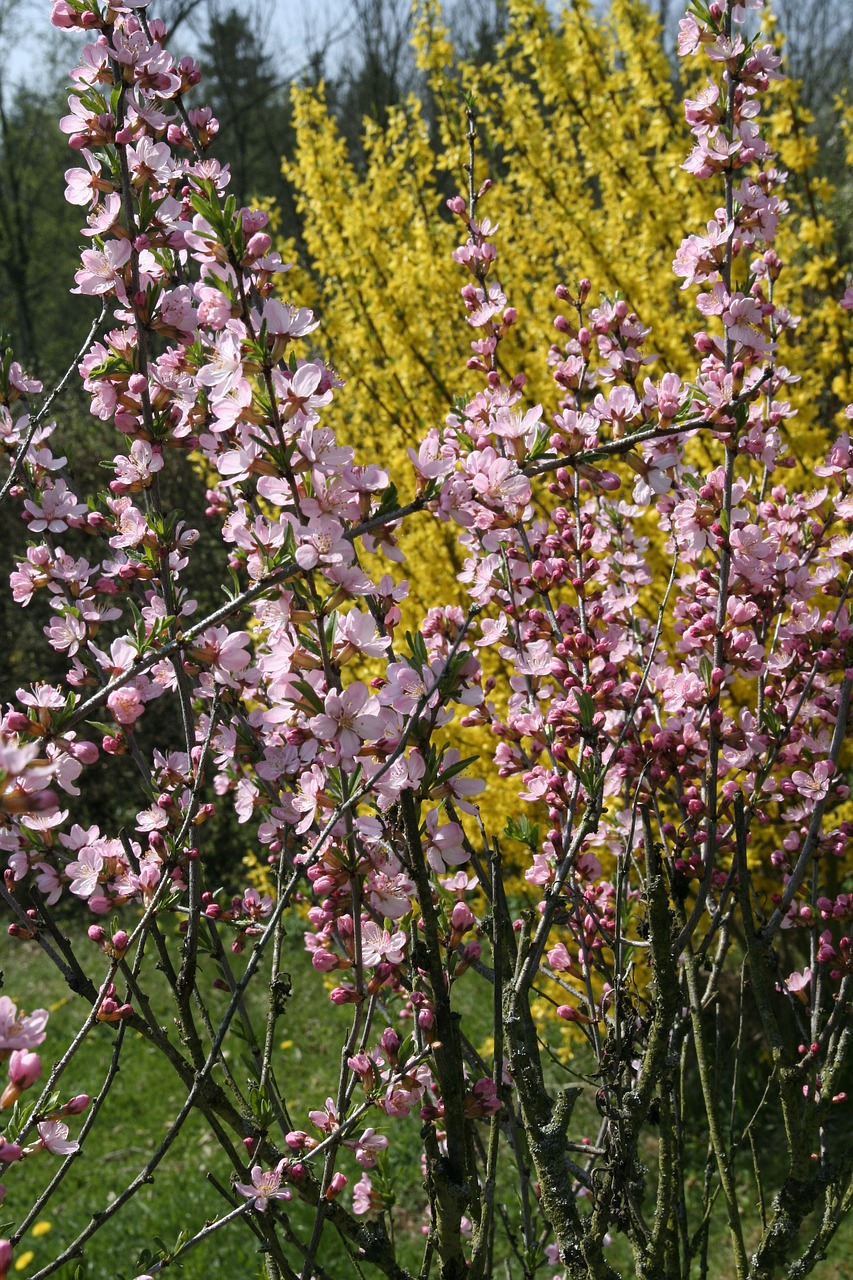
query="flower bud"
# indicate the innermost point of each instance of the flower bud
(24, 1070)
(299, 1140)
(77, 1105)
(336, 1186)
(390, 1042)
(461, 916)
(345, 995)
(17, 722)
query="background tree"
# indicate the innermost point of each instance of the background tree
(250, 98)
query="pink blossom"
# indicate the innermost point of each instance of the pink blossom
(815, 785)
(19, 1031)
(350, 718)
(224, 370)
(285, 321)
(53, 1135)
(58, 507)
(226, 652)
(378, 945)
(356, 631)
(390, 895)
(364, 1198)
(126, 704)
(497, 479)
(86, 871)
(102, 270)
(368, 1147)
(445, 848)
(266, 1185)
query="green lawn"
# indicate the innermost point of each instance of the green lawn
(146, 1096)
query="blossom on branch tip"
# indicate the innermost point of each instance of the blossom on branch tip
(266, 1185)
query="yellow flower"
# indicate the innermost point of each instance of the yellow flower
(579, 125)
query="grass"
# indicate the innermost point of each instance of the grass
(141, 1105)
(144, 1100)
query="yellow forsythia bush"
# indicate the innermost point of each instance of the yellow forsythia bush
(581, 128)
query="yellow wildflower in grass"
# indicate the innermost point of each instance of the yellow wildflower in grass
(24, 1260)
(41, 1228)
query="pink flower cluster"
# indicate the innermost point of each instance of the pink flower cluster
(329, 732)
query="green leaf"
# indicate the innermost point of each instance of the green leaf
(453, 769)
(586, 708)
(524, 831)
(310, 695)
(706, 671)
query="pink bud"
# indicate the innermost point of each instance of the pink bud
(258, 245)
(5, 1258)
(24, 1068)
(298, 1140)
(345, 995)
(461, 917)
(77, 1104)
(85, 752)
(17, 722)
(336, 1186)
(390, 1042)
(19, 931)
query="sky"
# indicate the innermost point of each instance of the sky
(294, 25)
